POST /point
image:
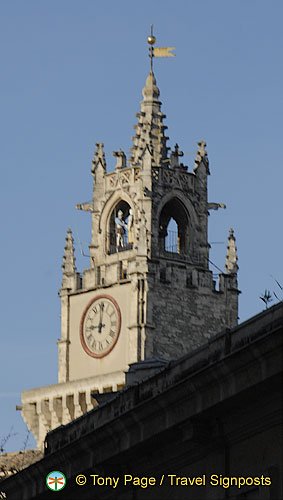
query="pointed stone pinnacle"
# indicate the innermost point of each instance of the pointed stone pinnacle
(68, 266)
(231, 265)
(99, 157)
(201, 149)
(201, 156)
(150, 128)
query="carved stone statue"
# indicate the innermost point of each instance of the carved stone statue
(130, 227)
(120, 230)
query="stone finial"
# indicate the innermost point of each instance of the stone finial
(150, 128)
(69, 259)
(201, 149)
(121, 159)
(174, 157)
(201, 156)
(99, 157)
(231, 265)
(150, 92)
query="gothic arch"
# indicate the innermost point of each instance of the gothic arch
(118, 201)
(110, 204)
(175, 193)
(174, 207)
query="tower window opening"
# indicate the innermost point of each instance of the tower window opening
(174, 228)
(172, 242)
(119, 236)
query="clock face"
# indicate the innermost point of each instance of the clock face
(100, 326)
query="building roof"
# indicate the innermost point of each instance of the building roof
(11, 463)
(185, 394)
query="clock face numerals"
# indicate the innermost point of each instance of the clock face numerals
(100, 326)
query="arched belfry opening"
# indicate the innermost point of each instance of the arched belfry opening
(119, 234)
(171, 238)
(174, 228)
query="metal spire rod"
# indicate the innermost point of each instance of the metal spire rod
(151, 40)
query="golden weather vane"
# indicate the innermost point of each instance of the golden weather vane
(157, 51)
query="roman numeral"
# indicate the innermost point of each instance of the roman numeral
(109, 310)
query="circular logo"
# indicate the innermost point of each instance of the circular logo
(55, 480)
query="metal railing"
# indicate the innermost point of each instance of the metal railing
(113, 249)
(111, 243)
(172, 242)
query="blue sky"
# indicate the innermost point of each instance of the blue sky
(72, 75)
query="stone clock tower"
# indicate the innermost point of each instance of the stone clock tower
(148, 291)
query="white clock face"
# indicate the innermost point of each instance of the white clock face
(100, 326)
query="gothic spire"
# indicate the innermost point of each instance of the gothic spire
(69, 258)
(150, 128)
(99, 157)
(71, 279)
(231, 265)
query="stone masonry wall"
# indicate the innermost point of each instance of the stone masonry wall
(182, 316)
